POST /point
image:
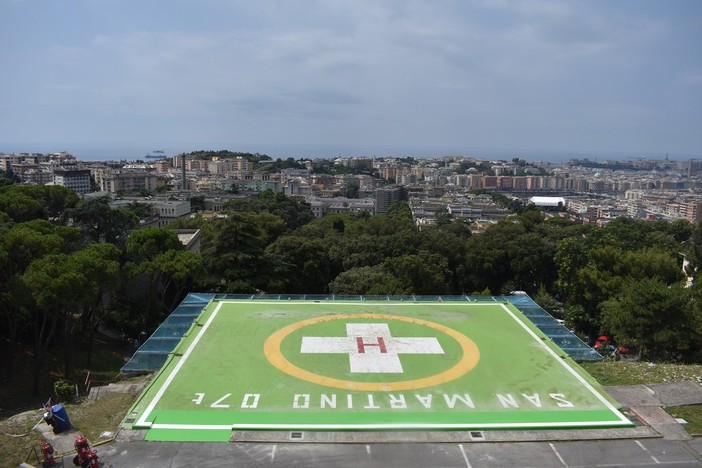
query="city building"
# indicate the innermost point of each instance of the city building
(78, 180)
(385, 196)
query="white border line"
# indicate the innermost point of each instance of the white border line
(361, 303)
(143, 424)
(142, 420)
(461, 426)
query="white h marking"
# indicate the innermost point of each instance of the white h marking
(371, 348)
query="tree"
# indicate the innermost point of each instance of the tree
(272, 226)
(350, 191)
(680, 229)
(422, 273)
(100, 263)
(371, 281)
(625, 233)
(329, 226)
(8, 178)
(20, 207)
(146, 244)
(235, 257)
(508, 254)
(140, 210)
(451, 242)
(654, 317)
(379, 225)
(356, 251)
(601, 273)
(57, 199)
(19, 246)
(293, 211)
(175, 272)
(305, 264)
(400, 209)
(100, 222)
(27, 202)
(547, 302)
(197, 203)
(55, 286)
(167, 268)
(443, 217)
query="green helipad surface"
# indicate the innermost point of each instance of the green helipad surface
(308, 365)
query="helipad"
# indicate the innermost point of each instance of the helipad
(361, 365)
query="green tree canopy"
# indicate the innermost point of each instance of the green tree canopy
(102, 223)
(20, 207)
(305, 264)
(367, 280)
(292, 210)
(234, 256)
(146, 244)
(400, 209)
(654, 317)
(422, 273)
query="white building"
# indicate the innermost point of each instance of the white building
(548, 201)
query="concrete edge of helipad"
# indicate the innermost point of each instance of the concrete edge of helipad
(638, 432)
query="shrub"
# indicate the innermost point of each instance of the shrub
(65, 390)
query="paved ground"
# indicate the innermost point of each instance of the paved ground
(627, 453)
(645, 402)
(649, 444)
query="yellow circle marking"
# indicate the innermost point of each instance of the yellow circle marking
(470, 358)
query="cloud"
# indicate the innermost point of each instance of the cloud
(692, 77)
(397, 71)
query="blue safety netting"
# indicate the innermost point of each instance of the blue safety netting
(154, 352)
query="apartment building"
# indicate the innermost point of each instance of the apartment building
(78, 180)
(130, 180)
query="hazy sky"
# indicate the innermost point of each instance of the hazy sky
(465, 74)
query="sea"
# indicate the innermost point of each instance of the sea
(131, 152)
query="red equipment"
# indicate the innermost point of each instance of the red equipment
(47, 451)
(86, 458)
(93, 460)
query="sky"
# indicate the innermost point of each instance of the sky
(355, 77)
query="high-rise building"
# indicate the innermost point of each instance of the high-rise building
(384, 198)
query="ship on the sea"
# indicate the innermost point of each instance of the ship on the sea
(156, 154)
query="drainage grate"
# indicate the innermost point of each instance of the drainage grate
(130, 420)
(296, 436)
(477, 435)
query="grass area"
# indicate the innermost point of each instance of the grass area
(93, 417)
(692, 414)
(642, 373)
(14, 450)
